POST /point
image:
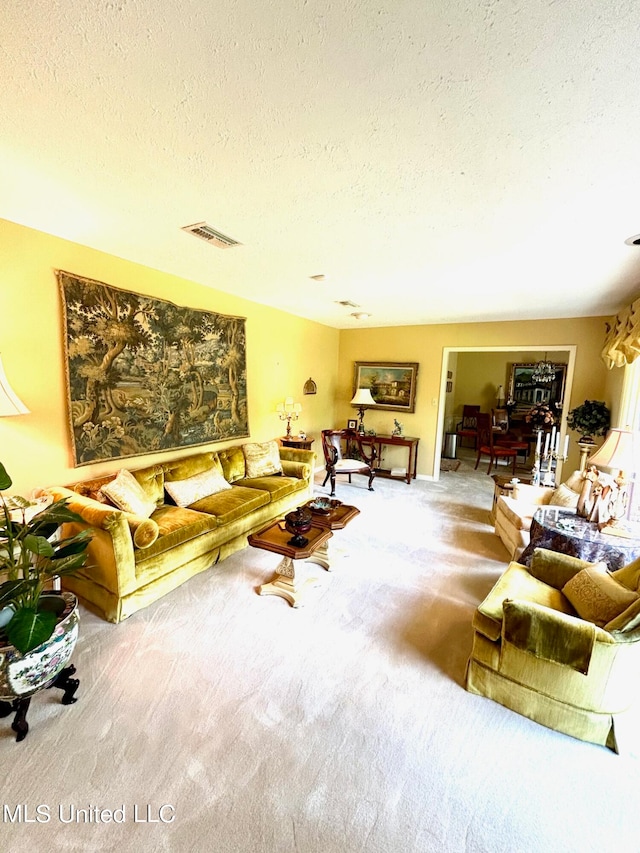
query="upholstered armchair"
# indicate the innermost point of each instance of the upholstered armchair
(559, 643)
(346, 453)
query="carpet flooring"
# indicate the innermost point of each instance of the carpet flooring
(221, 721)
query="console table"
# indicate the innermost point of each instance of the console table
(563, 531)
(411, 444)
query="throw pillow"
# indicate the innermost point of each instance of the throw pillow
(574, 481)
(262, 459)
(187, 492)
(564, 496)
(127, 494)
(596, 596)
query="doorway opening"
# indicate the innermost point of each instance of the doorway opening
(482, 372)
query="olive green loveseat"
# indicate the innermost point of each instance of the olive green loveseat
(534, 653)
(134, 560)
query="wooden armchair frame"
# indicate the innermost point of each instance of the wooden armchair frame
(345, 453)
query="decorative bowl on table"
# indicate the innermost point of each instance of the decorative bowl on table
(323, 506)
(298, 522)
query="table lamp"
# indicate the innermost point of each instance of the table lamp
(10, 403)
(362, 398)
(289, 411)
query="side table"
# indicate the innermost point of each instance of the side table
(275, 538)
(564, 531)
(335, 518)
(408, 442)
(298, 443)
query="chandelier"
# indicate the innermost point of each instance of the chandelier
(544, 371)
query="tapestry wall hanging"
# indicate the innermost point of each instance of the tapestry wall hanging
(145, 375)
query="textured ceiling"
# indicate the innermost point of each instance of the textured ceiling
(442, 161)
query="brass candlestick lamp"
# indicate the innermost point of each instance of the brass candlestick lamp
(288, 411)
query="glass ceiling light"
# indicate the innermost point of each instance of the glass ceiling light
(544, 371)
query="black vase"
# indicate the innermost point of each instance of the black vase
(298, 522)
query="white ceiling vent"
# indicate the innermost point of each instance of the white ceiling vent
(206, 232)
(347, 303)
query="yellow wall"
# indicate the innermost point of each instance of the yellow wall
(425, 344)
(283, 351)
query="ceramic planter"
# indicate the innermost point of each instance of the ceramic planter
(23, 675)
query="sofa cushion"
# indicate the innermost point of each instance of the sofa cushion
(575, 481)
(127, 494)
(516, 582)
(627, 622)
(189, 466)
(230, 505)
(187, 492)
(151, 480)
(565, 497)
(232, 461)
(596, 596)
(554, 568)
(517, 513)
(175, 525)
(629, 575)
(262, 459)
(277, 486)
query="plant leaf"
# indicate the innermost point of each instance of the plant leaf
(30, 628)
(5, 479)
(38, 545)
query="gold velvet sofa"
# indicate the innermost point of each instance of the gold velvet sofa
(135, 560)
(534, 653)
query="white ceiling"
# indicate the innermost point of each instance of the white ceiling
(436, 160)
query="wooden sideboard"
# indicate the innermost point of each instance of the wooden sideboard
(411, 444)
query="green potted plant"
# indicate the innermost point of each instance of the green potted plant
(590, 419)
(30, 558)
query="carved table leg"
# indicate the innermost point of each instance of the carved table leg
(19, 724)
(286, 585)
(321, 556)
(63, 681)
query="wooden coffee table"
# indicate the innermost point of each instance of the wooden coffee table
(336, 518)
(275, 538)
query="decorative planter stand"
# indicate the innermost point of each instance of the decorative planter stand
(21, 676)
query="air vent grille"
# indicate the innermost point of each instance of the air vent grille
(206, 232)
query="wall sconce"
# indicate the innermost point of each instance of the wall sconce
(289, 411)
(10, 403)
(310, 387)
(362, 398)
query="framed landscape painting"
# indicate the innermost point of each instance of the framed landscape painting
(392, 384)
(526, 391)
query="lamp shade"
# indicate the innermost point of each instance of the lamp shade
(363, 397)
(10, 403)
(618, 451)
